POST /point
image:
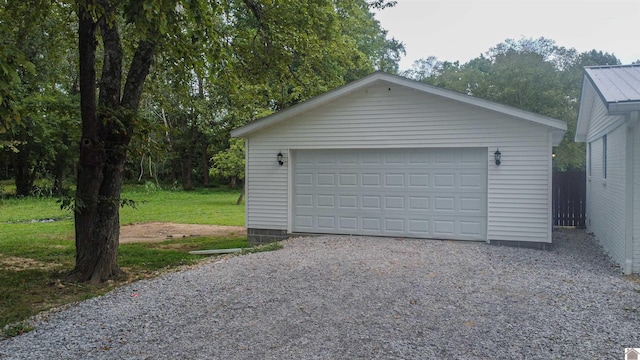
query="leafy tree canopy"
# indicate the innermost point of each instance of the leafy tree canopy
(530, 74)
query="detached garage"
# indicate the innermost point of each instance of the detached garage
(389, 156)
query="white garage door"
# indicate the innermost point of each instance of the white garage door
(425, 193)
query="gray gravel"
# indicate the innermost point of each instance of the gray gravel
(337, 297)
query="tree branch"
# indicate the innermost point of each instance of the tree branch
(138, 71)
(111, 77)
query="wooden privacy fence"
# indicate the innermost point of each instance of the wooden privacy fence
(569, 198)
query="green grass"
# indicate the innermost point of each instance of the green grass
(204, 206)
(36, 256)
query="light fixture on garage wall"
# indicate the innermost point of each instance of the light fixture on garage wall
(497, 155)
(279, 156)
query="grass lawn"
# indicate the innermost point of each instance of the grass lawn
(35, 256)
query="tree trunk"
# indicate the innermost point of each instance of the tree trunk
(59, 168)
(22, 171)
(105, 137)
(187, 170)
(205, 165)
(241, 197)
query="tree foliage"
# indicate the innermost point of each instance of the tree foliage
(39, 109)
(229, 163)
(530, 74)
(217, 64)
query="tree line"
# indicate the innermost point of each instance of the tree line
(530, 74)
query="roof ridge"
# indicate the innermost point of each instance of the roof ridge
(611, 66)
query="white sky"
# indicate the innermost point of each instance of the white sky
(463, 29)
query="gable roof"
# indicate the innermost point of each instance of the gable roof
(618, 87)
(382, 77)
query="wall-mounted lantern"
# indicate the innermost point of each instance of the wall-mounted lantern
(497, 155)
(279, 156)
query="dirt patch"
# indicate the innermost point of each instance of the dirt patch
(160, 231)
(16, 263)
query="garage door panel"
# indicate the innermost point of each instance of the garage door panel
(304, 200)
(478, 158)
(444, 204)
(371, 224)
(418, 157)
(419, 226)
(323, 158)
(371, 202)
(349, 158)
(326, 222)
(371, 158)
(470, 228)
(444, 228)
(302, 179)
(394, 203)
(348, 223)
(327, 201)
(444, 181)
(394, 225)
(394, 158)
(439, 193)
(325, 179)
(471, 181)
(304, 222)
(348, 202)
(471, 205)
(419, 180)
(394, 179)
(445, 157)
(371, 179)
(418, 203)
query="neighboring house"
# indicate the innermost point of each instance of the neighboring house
(608, 123)
(389, 156)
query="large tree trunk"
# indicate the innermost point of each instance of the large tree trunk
(105, 137)
(89, 249)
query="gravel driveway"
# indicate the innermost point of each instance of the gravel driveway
(360, 298)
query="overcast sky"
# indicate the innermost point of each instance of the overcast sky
(463, 29)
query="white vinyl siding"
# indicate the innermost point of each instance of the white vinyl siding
(396, 117)
(606, 197)
(636, 200)
(601, 123)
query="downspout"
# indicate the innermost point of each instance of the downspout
(632, 121)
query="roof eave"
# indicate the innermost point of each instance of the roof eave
(623, 107)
